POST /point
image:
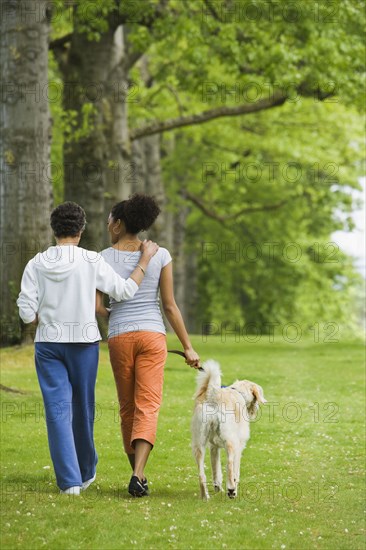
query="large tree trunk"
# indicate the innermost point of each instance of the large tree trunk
(170, 228)
(98, 167)
(147, 163)
(26, 192)
(148, 168)
(86, 156)
(179, 257)
(121, 174)
(190, 293)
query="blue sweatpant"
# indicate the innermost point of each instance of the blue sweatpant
(67, 375)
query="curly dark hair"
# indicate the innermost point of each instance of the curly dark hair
(138, 212)
(67, 219)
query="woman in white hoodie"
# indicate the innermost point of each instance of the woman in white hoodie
(58, 292)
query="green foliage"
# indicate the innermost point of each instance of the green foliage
(304, 156)
(272, 266)
(77, 126)
(319, 46)
(57, 115)
(92, 17)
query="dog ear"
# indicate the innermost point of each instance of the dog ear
(258, 394)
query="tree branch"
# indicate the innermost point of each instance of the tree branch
(213, 145)
(212, 10)
(209, 212)
(157, 127)
(60, 42)
(170, 89)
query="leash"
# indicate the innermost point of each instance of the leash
(182, 354)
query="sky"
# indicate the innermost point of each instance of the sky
(354, 242)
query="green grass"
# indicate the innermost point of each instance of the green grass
(301, 482)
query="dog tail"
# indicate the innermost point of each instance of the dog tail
(208, 379)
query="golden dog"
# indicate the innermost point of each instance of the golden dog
(221, 420)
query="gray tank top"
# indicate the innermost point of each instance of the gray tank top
(142, 312)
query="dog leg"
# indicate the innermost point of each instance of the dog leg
(216, 468)
(199, 453)
(230, 482)
(237, 459)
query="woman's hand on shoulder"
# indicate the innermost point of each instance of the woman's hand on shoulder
(192, 358)
(149, 249)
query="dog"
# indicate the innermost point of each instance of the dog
(221, 420)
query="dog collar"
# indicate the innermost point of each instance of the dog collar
(232, 387)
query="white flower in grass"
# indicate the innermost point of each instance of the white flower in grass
(204, 522)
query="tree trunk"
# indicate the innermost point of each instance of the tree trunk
(85, 155)
(178, 254)
(26, 191)
(96, 158)
(190, 293)
(170, 228)
(147, 164)
(121, 174)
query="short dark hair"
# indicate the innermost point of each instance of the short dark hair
(138, 212)
(67, 219)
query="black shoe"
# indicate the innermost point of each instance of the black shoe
(136, 488)
(145, 486)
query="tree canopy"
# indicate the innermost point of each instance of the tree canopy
(262, 101)
(243, 117)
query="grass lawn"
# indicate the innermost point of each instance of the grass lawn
(302, 478)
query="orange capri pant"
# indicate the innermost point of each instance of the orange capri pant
(138, 360)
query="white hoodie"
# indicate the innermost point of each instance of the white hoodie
(59, 286)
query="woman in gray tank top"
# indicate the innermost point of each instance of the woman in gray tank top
(136, 335)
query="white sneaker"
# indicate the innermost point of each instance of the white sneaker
(88, 482)
(71, 491)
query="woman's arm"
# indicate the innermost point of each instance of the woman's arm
(28, 296)
(100, 308)
(174, 315)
